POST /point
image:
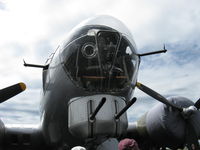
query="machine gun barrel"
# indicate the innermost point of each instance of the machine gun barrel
(130, 103)
(98, 108)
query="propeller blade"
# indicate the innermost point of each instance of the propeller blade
(191, 138)
(197, 104)
(157, 96)
(11, 91)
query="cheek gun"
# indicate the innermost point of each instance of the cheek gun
(154, 52)
(36, 66)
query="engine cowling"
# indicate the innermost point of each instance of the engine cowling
(2, 133)
(166, 126)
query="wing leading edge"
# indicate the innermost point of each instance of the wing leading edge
(18, 136)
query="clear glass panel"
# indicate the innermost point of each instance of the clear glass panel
(101, 61)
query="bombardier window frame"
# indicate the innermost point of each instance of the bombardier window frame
(99, 80)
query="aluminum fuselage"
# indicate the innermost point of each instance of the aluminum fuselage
(58, 90)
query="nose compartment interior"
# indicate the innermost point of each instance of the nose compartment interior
(103, 61)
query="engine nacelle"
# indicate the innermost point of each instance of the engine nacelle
(2, 133)
(166, 126)
(23, 137)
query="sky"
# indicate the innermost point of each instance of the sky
(32, 30)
